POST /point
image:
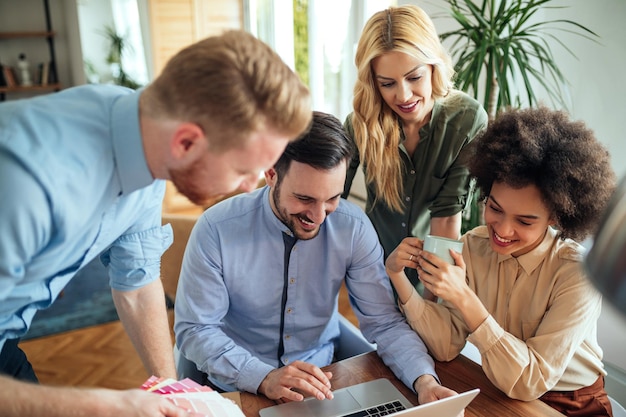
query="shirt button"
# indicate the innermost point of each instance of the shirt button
(286, 361)
(403, 224)
(289, 310)
(287, 337)
(292, 280)
(412, 172)
(407, 198)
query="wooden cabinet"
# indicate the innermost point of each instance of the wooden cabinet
(175, 24)
(25, 38)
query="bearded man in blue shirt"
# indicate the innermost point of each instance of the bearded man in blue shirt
(256, 305)
(81, 174)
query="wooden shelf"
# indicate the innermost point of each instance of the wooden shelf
(17, 35)
(20, 37)
(32, 88)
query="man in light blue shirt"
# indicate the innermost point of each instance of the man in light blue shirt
(81, 175)
(256, 305)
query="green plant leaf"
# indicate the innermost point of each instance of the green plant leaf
(506, 41)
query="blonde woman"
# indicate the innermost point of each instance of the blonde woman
(410, 125)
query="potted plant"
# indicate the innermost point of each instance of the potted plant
(504, 49)
(502, 44)
(118, 46)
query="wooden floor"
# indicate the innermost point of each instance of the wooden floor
(100, 356)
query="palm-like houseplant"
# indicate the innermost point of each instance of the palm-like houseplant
(118, 46)
(504, 50)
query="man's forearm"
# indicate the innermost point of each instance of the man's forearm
(144, 316)
(19, 399)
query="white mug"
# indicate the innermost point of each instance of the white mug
(441, 246)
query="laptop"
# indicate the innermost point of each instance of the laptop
(372, 398)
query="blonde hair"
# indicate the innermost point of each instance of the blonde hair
(407, 29)
(231, 85)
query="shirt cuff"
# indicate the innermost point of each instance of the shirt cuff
(252, 375)
(486, 335)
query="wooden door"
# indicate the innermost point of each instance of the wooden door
(175, 24)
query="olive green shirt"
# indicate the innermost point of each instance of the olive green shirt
(435, 183)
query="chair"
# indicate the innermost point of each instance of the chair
(471, 352)
(351, 343)
(615, 387)
(351, 340)
(618, 409)
(185, 368)
(172, 259)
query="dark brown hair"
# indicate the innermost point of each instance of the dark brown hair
(323, 146)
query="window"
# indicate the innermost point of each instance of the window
(332, 32)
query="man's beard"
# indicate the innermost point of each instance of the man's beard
(288, 220)
(184, 181)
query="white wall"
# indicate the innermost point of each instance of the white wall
(598, 90)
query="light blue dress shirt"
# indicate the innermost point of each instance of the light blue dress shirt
(74, 184)
(228, 302)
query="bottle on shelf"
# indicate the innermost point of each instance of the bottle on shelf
(23, 65)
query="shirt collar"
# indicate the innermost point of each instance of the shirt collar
(424, 130)
(434, 116)
(131, 165)
(272, 221)
(531, 260)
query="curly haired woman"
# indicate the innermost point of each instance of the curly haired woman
(519, 292)
(410, 126)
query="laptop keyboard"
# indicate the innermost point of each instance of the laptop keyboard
(379, 410)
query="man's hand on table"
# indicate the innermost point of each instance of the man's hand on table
(428, 389)
(295, 381)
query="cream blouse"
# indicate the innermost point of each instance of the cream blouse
(541, 332)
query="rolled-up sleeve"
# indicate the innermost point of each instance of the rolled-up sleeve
(135, 258)
(454, 187)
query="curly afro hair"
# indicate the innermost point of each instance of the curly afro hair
(562, 158)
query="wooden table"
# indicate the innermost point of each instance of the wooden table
(460, 374)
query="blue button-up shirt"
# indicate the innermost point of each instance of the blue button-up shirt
(228, 303)
(74, 183)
